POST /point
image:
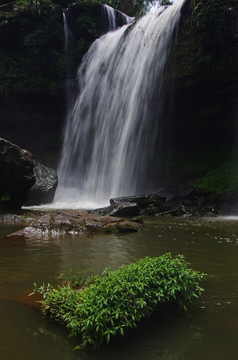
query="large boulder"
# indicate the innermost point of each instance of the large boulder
(131, 206)
(122, 209)
(43, 190)
(17, 177)
(143, 201)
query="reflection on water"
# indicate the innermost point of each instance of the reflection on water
(209, 330)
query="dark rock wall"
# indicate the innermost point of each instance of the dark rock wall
(205, 116)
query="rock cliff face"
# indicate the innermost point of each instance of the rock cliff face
(205, 108)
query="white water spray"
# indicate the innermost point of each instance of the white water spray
(109, 141)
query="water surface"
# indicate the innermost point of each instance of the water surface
(209, 330)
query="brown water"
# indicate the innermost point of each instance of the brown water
(209, 330)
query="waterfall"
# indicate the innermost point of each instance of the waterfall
(66, 30)
(118, 116)
(110, 14)
(115, 17)
(68, 51)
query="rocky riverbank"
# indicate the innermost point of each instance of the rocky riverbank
(60, 222)
(124, 215)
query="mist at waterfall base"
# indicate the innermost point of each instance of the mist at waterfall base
(116, 132)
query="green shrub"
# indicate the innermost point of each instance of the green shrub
(118, 300)
(220, 180)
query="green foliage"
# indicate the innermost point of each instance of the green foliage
(4, 201)
(5, 198)
(75, 280)
(43, 290)
(32, 53)
(38, 41)
(33, 6)
(220, 180)
(210, 20)
(32, 44)
(207, 37)
(86, 21)
(208, 14)
(111, 304)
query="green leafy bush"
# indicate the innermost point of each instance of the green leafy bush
(208, 13)
(118, 300)
(220, 180)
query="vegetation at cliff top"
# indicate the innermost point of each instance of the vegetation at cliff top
(31, 48)
(109, 305)
(207, 37)
(32, 42)
(32, 39)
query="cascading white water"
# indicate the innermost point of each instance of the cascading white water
(66, 30)
(68, 51)
(111, 15)
(109, 141)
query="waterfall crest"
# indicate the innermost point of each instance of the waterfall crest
(110, 14)
(115, 17)
(109, 140)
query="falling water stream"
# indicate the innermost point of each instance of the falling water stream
(112, 15)
(118, 117)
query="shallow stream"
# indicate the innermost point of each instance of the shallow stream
(209, 330)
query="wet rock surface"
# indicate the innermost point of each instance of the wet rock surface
(200, 203)
(143, 201)
(23, 180)
(123, 209)
(75, 222)
(130, 206)
(43, 191)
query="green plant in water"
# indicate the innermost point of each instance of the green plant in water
(112, 304)
(42, 290)
(75, 280)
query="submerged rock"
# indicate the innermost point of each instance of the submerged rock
(123, 226)
(43, 190)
